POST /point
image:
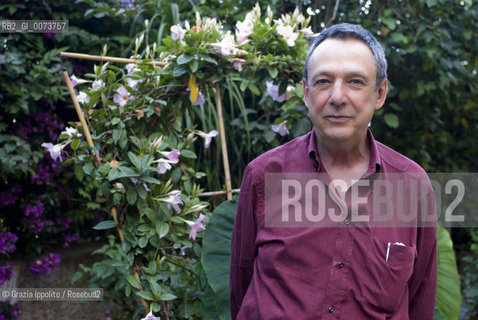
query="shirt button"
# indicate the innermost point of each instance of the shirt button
(340, 265)
(347, 222)
(331, 309)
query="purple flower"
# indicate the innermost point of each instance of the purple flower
(6, 273)
(45, 265)
(7, 242)
(69, 238)
(280, 128)
(34, 211)
(172, 155)
(9, 197)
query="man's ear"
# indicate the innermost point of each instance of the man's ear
(305, 91)
(381, 94)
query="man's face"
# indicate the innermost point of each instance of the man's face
(340, 92)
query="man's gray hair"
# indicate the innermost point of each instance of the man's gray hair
(352, 31)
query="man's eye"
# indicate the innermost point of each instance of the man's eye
(356, 82)
(322, 81)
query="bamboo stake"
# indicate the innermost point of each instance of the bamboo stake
(108, 59)
(92, 148)
(222, 132)
(79, 112)
(217, 193)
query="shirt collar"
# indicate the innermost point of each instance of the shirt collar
(374, 164)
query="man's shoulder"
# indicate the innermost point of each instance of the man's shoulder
(394, 161)
(276, 159)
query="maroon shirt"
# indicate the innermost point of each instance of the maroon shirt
(328, 273)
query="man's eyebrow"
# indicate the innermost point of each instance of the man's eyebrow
(352, 74)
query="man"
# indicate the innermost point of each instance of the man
(340, 270)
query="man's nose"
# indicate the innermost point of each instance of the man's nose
(337, 95)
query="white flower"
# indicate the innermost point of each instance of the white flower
(207, 137)
(150, 316)
(83, 97)
(133, 82)
(273, 92)
(280, 128)
(122, 96)
(238, 64)
(131, 67)
(177, 33)
(227, 46)
(173, 200)
(287, 32)
(71, 132)
(163, 165)
(97, 85)
(307, 32)
(55, 150)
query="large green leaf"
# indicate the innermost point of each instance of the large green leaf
(448, 287)
(216, 254)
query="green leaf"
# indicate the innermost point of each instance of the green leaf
(107, 224)
(117, 134)
(391, 23)
(134, 160)
(273, 72)
(131, 195)
(391, 120)
(162, 229)
(76, 276)
(142, 242)
(146, 295)
(215, 256)
(184, 58)
(168, 297)
(448, 285)
(88, 168)
(188, 154)
(79, 172)
(132, 281)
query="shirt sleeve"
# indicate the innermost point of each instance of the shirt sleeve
(243, 243)
(423, 284)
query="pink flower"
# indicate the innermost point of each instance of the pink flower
(172, 155)
(273, 92)
(73, 80)
(280, 128)
(122, 96)
(196, 226)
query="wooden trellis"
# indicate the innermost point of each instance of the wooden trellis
(225, 160)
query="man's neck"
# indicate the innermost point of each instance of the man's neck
(346, 161)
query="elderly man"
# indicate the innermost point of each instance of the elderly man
(342, 270)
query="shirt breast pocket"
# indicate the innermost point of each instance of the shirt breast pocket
(387, 277)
